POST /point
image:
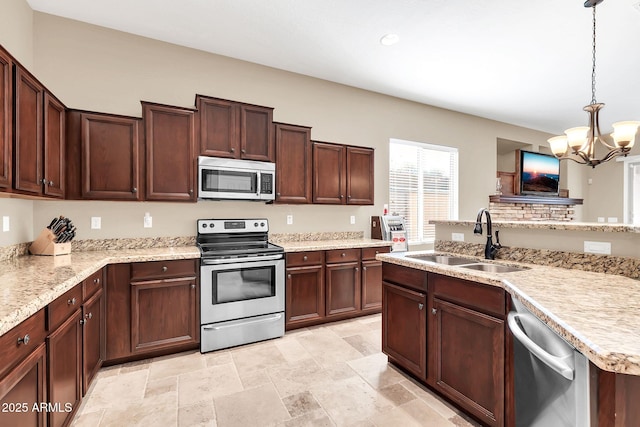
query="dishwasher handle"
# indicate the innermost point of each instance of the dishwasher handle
(554, 362)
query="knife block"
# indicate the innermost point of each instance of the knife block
(45, 245)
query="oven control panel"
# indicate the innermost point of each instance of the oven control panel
(214, 226)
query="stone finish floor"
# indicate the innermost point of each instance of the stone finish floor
(329, 375)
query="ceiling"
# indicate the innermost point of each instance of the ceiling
(525, 63)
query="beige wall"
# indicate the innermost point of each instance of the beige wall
(16, 30)
(93, 68)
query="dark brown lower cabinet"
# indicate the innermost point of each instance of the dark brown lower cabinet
(371, 285)
(93, 338)
(469, 360)
(304, 294)
(64, 360)
(22, 388)
(343, 288)
(404, 328)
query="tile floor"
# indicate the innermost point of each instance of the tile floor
(329, 375)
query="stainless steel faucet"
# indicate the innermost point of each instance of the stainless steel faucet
(490, 249)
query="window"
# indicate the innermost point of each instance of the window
(631, 189)
(423, 186)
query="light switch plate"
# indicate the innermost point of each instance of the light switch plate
(148, 220)
(457, 237)
(96, 223)
(289, 219)
(352, 219)
(5, 223)
(601, 248)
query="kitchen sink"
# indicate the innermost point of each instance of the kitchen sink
(443, 259)
(493, 268)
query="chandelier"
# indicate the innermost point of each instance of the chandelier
(579, 143)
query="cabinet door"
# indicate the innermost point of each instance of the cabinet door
(329, 183)
(359, 176)
(65, 370)
(293, 164)
(170, 153)
(371, 285)
(54, 147)
(28, 133)
(256, 133)
(163, 314)
(22, 388)
(343, 288)
(93, 338)
(305, 295)
(218, 127)
(6, 108)
(110, 157)
(404, 328)
(468, 360)
(118, 311)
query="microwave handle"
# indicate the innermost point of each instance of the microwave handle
(258, 179)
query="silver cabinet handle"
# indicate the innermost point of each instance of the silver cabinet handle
(89, 315)
(164, 268)
(134, 190)
(304, 258)
(343, 254)
(357, 269)
(243, 151)
(96, 281)
(24, 340)
(420, 306)
(71, 301)
(288, 276)
(364, 268)
(434, 311)
(193, 286)
(233, 150)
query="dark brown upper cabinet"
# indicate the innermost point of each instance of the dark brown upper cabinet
(342, 174)
(235, 130)
(39, 157)
(293, 163)
(6, 116)
(103, 157)
(170, 159)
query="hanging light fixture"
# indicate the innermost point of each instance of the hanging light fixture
(579, 143)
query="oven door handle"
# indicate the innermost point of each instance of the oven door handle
(206, 261)
(272, 318)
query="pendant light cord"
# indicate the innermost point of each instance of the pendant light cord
(593, 63)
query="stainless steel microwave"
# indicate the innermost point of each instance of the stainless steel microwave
(232, 179)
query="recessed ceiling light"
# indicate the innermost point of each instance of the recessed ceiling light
(389, 39)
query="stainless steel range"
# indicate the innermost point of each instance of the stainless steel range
(241, 283)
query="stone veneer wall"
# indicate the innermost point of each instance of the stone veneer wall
(530, 212)
(628, 267)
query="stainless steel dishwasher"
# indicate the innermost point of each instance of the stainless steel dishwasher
(551, 376)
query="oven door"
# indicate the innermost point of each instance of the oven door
(242, 288)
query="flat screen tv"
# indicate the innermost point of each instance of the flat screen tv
(539, 174)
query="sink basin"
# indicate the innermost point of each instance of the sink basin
(443, 259)
(493, 268)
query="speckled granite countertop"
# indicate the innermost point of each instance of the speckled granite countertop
(323, 245)
(598, 313)
(552, 225)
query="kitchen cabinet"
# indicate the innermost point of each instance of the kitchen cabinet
(372, 279)
(103, 157)
(404, 319)
(235, 130)
(23, 379)
(152, 309)
(293, 163)
(342, 174)
(93, 328)
(343, 284)
(305, 290)
(39, 150)
(6, 118)
(170, 156)
(64, 356)
(467, 345)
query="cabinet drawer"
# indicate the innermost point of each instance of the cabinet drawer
(295, 259)
(484, 298)
(370, 253)
(342, 255)
(163, 269)
(61, 308)
(91, 284)
(405, 276)
(13, 351)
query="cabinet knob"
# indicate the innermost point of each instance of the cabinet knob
(278, 194)
(50, 183)
(349, 196)
(357, 269)
(434, 311)
(134, 190)
(233, 150)
(243, 151)
(341, 196)
(420, 306)
(288, 276)
(89, 315)
(164, 268)
(364, 268)
(343, 254)
(193, 286)
(24, 340)
(96, 280)
(71, 301)
(191, 191)
(305, 258)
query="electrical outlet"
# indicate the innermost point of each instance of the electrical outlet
(148, 220)
(5, 223)
(457, 237)
(96, 223)
(289, 219)
(352, 219)
(601, 248)
(612, 219)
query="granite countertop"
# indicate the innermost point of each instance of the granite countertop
(550, 225)
(323, 245)
(597, 313)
